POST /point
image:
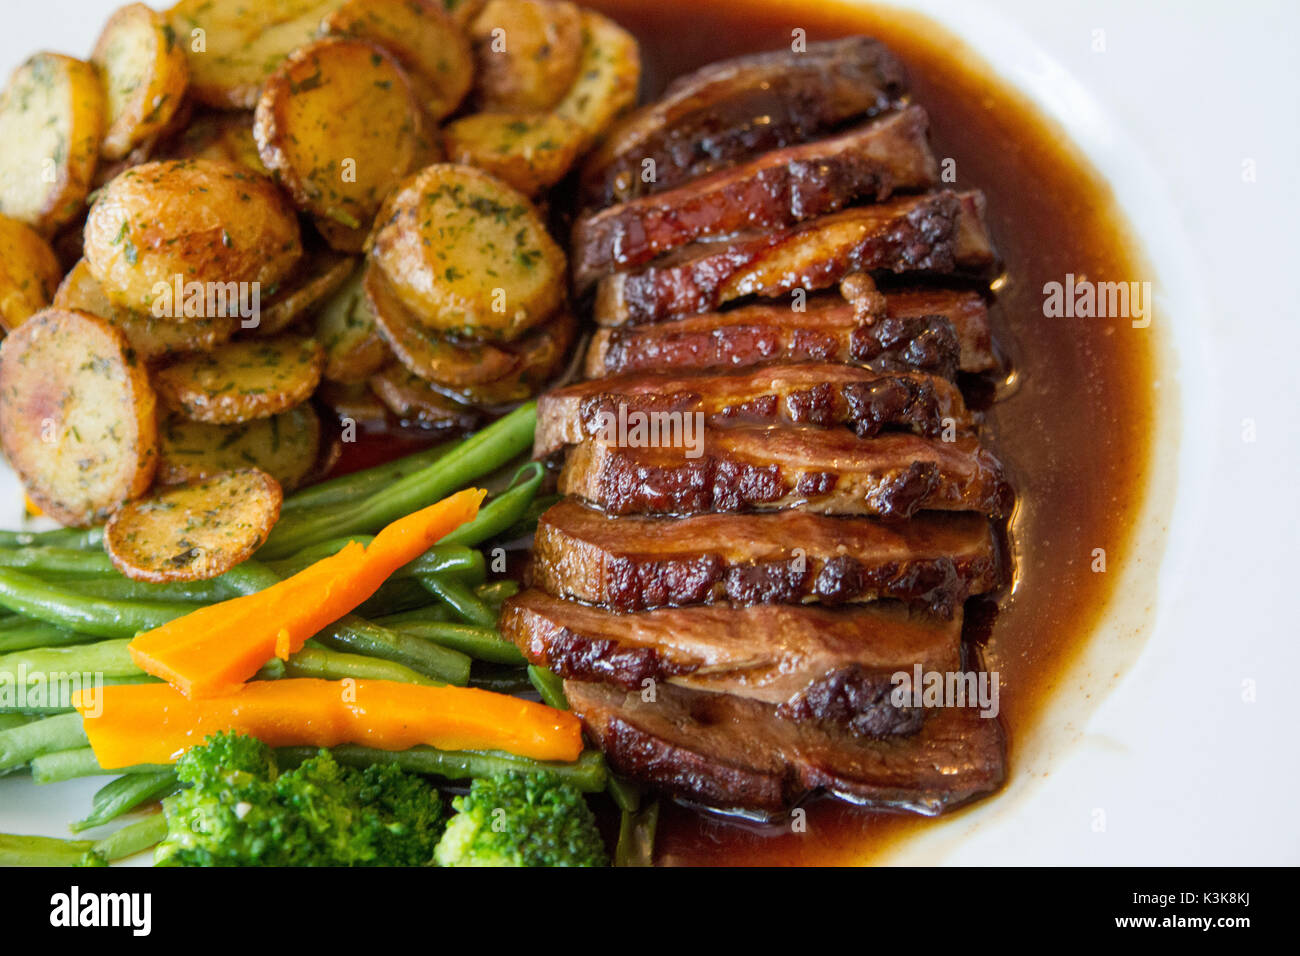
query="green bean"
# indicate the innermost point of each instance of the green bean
(499, 679)
(480, 643)
(429, 614)
(549, 686)
(496, 593)
(66, 608)
(326, 664)
(587, 773)
(527, 522)
(626, 795)
(123, 795)
(79, 538)
(502, 511)
(20, 744)
(404, 594)
(102, 658)
(309, 556)
(15, 701)
(459, 560)
(348, 488)
(133, 838)
(122, 588)
(636, 837)
(357, 635)
(70, 764)
(39, 635)
(477, 455)
(65, 560)
(460, 598)
(10, 721)
(18, 850)
(249, 577)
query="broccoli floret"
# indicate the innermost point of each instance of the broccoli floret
(522, 819)
(238, 810)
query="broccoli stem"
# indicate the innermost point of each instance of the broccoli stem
(133, 838)
(587, 773)
(636, 837)
(626, 795)
(549, 686)
(125, 794)
(19, 745)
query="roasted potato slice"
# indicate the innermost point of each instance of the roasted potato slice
(414, 402)
(463, 12)
(77, 415)
(219, 136)
(29, 272)
(431, 355)
(145, 77)
(527, 53)
(149, 337)
(339, 127)
(541, 354)
(209, 222)
(285, 446)
(196, 531)
(608, 77)
(242, 380)
(433, 50)
(530, 151)
(354, 401)
(233, 46)
(345, 327)
(468, 254)
(317, 277)
(51, 122)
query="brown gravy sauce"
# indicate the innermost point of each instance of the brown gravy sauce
(1072, 420)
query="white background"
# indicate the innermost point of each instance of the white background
(1184, 770)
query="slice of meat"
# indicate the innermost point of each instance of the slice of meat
(634, 563)
(747, 468)
(730, 752)
(938, 233)
(738, 108)
(809, 393)
(775, 191)
(833, 666)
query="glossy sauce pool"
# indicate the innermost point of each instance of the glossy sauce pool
(1073, 419)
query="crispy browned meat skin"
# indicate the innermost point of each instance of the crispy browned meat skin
(933, 331)
(726, 751)
(941, 232)
(735, 109)
(774, 191)
(808, 393)
(827, 471)
(817, 663)
(635, 563)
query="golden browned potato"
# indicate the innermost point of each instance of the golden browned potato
(285, 446)
(29, 272)
(233, 46)
(224, 136)
(345, 327)
(527, 53)
(541, 356)
(608, 77)
(530, 151)
(196, 531)
(468, 254)
(318, 276)
(415, 402)
(51, 122)
(433, 50)
(145, 76)
(339, 128)
(77, 416)
(207, 222)
(149, 338)
(463, 12)
(242, 380)
(431, 355)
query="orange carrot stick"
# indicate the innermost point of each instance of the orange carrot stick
(213, 650)
(154, 723)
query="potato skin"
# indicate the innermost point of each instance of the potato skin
(29, 272)
(77, 416)
(51, 110)
(542, 47)
(145, 77)
(335, 101)
(468, 254)
(205, 220)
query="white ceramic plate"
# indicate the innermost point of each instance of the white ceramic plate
(1171, 741)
